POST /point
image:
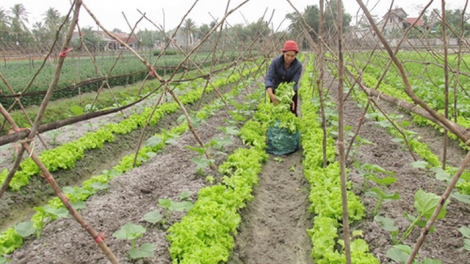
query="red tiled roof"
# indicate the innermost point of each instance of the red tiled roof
(411, 20)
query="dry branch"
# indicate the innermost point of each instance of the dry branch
(465, 132)
(408, 90)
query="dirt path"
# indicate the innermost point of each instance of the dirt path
(275, 223)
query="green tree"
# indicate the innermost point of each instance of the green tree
(454, 21)
(4, 24)
(88, 38)
(41, 33)
(311, 17)
(18, 23)
(189, 28)
(203, 31)
(52, 19)
(149, 38)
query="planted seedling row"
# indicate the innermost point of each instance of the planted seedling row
(13, 237)
(325, 193)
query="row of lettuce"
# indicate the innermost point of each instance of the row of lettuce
(65, 156)
(205, 234)
(325, 192)
(420, 148)
(12, 238)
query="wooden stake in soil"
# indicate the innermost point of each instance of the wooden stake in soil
(46, 174)
(342, 161)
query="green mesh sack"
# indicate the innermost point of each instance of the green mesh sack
(281, 141)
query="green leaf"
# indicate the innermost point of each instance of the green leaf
(181, 206)
(229, 130)
(164, 202)
(384, 124)
(397, 140)
(384, 181)
(364, 141)
(199, 150)
(467, 244)
(464, 198)
(171, 141)
(61, 212)
(405, 123)
(185, 195)
(441, 174)
(419, 164)
(431, 261)
(3, 260)
(202, 163)
(181, 119)
(129, 231)
(78, 205)
(221, 142)
(359, 245)
(100, 186)
(465, 231)
(426, 203)
(153, 141)
(383, 195)
(153, 217)
(145, 251)
(77, 110)
(375, 168)
(25, 229)
(386, 223)
(399, 253)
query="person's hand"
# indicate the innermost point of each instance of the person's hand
(271, 95)
(273, 99)
(293, 105)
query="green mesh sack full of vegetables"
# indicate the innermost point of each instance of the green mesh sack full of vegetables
(284, 127)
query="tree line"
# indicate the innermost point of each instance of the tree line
(14, 27)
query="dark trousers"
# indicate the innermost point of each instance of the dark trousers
(295, 103)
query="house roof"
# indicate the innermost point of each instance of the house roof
(412, 20)
(396, 12)
(121, 35)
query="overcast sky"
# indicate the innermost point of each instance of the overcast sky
(110, 13)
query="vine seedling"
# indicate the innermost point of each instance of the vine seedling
(381, 196)
(170, 206)
(46, 214)
(401, 253)
(425, 204)
(370, 172)
(131, 232)
(465, 231)
(201, 161)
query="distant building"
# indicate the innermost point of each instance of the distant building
(397, 20)
(182, 39)
(110, 43)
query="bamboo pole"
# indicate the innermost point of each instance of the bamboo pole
(46, 174)
(340, 143)
(446, 83)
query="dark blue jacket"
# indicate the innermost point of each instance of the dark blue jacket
(277, 73)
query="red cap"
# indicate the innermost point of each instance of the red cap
(290, 46)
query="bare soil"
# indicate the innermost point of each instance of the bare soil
(274, 223)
